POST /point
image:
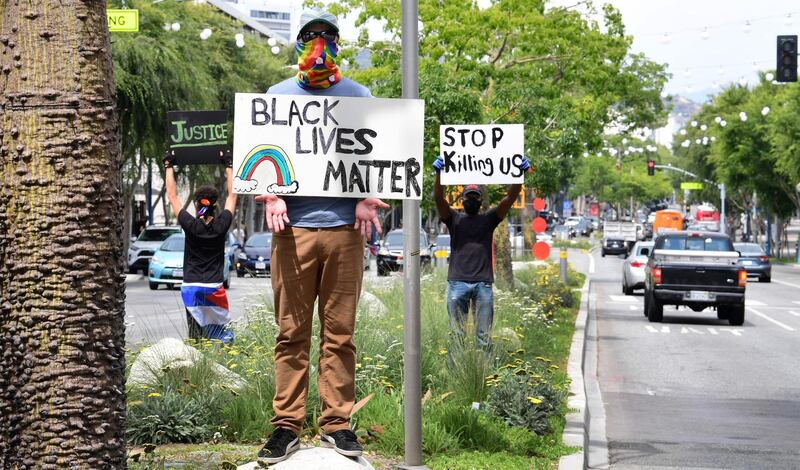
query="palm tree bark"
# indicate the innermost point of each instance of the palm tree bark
(62, 401)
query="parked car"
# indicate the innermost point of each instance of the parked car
(441, 247)
(254, 259)
(698, 270)
(390, 255)
(166, 265)
(232, 249)
(142, 249)
(754, 260)
(633, 267)
(613, 245)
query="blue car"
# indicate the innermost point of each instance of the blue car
(254, 259)
(166, 265)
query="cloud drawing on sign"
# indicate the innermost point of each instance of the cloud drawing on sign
(284, 171)
(244, 186)
(278, 189)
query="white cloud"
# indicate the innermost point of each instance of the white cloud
(244, 186)
(275, 188)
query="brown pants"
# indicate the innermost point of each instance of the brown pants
(307, 264)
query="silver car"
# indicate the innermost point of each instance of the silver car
(633, 267)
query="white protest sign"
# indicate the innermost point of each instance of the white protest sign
(482, 154)
(329, 146)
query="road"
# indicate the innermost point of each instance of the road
(153, 315)
(694, 392)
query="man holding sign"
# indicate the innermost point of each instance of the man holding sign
(472, 153)
(318, 244)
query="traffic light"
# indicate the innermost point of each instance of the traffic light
(651, 168)
(787, 59)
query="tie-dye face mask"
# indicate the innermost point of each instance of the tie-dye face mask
(318, 69)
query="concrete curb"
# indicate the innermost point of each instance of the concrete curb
(575, 429)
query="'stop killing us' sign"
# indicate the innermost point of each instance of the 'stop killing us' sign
(482, 154)
(329, 146)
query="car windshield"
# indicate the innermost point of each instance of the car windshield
(395, 240)
(174, 244)
(443, 240)
(259, 240)
(748, 249)
(694, 243)
(156, 235)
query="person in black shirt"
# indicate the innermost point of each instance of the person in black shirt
(204, 256)
(470, 276)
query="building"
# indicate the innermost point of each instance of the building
(277, 15)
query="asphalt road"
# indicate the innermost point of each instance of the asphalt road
(154, 315)
(693, 391)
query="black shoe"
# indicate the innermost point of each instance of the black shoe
(344, 442)
(280, 446)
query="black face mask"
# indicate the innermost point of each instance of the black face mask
(471, 206)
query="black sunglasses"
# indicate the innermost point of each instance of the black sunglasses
(307, 36)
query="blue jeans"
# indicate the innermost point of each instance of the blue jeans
(459, 296)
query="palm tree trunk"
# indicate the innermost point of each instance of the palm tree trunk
(62, 362)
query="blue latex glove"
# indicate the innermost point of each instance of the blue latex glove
(438, 164)
(525, 164)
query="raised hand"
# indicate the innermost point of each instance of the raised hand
(367, 215)
(438, 164)
(276, 213)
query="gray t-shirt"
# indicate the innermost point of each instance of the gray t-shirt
(471, 246)
(320, 212)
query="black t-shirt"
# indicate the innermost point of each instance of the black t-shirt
(471, 246)
(204, 256)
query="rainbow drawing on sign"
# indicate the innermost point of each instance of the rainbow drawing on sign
(286, 184)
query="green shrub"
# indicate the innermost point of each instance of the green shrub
(522, 397)
(169, 416)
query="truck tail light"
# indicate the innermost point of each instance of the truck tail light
(657, 275)
(742, 278)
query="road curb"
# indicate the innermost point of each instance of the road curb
(575, 430)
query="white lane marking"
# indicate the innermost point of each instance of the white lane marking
(650, 392)
(768, 318)
(622, 298)
(712, 331)
(796, 302)
(794, 313)
(790, 284)
(634, 307)
(591, 263)
(732, 331)
(652, 329)
(689, 329)
(754, 303)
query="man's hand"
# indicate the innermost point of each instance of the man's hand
(438, 164)
(276, 213)
(226, 158)
(169, 159)
(367, 215)
(525, 164)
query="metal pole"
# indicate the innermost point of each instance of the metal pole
(411, 227)
(722, 216)
(563, 256)
(150, 195)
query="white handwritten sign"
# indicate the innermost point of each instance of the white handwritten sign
(328, 146)
(482, 154)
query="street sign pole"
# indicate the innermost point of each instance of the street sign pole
(722, 225)
(411, 226)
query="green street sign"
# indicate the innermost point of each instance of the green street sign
(123, 21)
(690, 185)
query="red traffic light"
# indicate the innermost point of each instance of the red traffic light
(651, 167)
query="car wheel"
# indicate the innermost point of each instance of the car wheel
(627, 290)
(382, 272)
(153, 286)
(723, 313)
(646, 302)
(603, 253)
(765, 279)
(226, 283)
(239, 273)
(655, 312)
(133, 270)
(736, 313)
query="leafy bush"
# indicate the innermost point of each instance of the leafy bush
(521, 397)
(169, 416)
